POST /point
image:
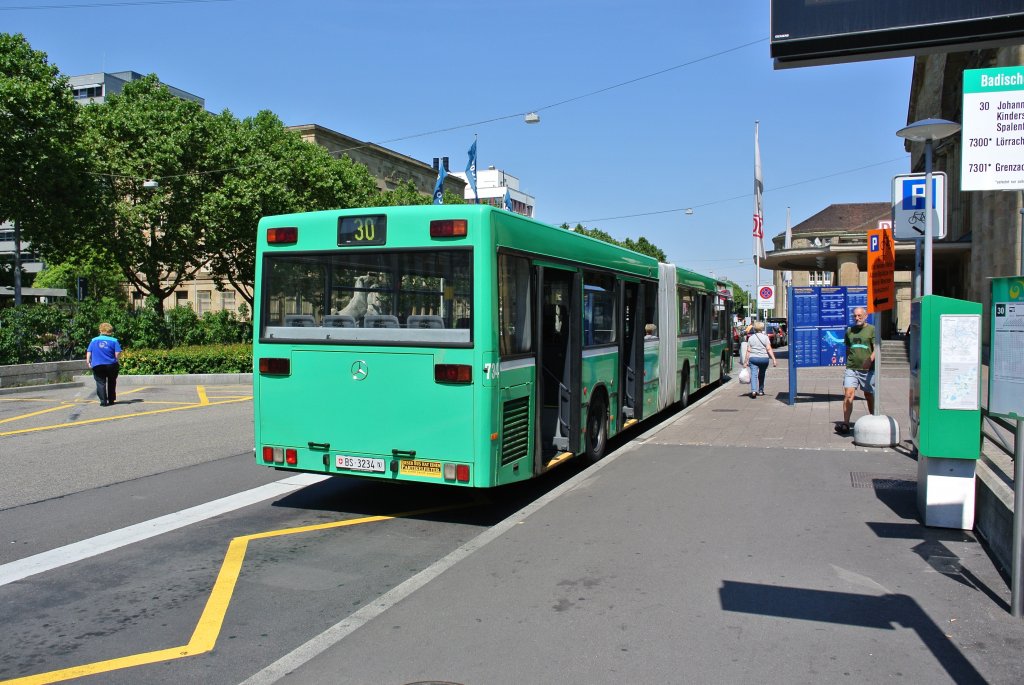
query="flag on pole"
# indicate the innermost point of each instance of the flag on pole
(508, 200)
(439, 186)
(471, 170)
(787, 276)
(758, 206)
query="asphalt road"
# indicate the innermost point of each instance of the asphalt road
(214, 601)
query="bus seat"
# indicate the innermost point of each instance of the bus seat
(339, 321)
(302, 320)
(380, 321)
(424, 321)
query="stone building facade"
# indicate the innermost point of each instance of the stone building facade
(983, 228)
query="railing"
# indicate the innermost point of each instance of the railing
(990, 429)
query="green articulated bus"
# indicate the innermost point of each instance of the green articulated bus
(465, 345)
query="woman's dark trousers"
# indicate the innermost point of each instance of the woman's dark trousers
(105, 376)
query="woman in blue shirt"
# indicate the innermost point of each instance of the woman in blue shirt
(102, 356)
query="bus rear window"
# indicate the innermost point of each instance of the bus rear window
(419, 297)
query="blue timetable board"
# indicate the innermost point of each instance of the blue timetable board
(819, 316)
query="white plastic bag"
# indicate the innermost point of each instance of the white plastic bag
(745, 374)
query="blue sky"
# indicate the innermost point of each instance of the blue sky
(384, 70)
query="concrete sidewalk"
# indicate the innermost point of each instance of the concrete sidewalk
(742, 541)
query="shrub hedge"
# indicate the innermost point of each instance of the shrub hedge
(236, 358)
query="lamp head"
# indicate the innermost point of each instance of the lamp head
(928, 129)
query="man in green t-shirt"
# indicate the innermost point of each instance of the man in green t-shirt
(860, 364)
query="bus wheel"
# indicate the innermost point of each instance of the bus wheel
(684, 396)
(597, 430)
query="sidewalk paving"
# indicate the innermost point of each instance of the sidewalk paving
(742, 541)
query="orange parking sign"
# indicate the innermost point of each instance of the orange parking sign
(881, 270)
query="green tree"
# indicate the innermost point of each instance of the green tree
(641, 244)
(268, 170)
(102, 279)
(153, 234)
(43, 171)
(404, 194)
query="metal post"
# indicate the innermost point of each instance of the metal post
(1016, 601)
(17, 263)
(928, 217)
(878, 364)
(918, 261)
(1016, 598)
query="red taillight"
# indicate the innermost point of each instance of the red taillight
(291, 457)
(289, 235)
(277, 366)
(462, 473)
(453, 373)
(268, 455)
(448, 228)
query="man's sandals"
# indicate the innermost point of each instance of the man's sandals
(843, 428)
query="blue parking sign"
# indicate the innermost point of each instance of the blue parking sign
(909, 217)
(874, 243)
(913, 193)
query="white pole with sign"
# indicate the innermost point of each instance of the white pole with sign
(992, 153)
(766, 297)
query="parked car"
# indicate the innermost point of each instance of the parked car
(776, 334)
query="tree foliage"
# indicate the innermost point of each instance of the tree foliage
(641, 244)
(154, 235)
(102, 277)
(268, 170)
(44, 186)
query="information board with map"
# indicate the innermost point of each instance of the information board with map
(959, 361)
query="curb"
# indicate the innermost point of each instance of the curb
(42, 386)
(178, 379)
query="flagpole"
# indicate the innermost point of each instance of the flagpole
(757, 215)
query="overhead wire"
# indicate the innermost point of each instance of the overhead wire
(109, 3)
(739, 197)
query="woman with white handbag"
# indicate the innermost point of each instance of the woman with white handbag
(759, 352)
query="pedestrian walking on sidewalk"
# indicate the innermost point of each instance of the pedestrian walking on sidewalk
(860, 364)
(759, 353)
(102, 356)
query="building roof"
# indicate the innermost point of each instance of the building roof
(858, 217)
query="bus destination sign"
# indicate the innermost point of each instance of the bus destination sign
(362, 230)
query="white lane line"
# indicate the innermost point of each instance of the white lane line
(339, 631)
(69, 554)
(319, 644)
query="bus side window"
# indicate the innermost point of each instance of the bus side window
(302, 320)
(380, 321)
(424, 321)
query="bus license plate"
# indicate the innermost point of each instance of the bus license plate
(360, 464)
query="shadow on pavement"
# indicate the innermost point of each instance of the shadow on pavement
(884, 612)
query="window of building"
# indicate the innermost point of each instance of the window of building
(227, 300)
(204, 302)
(86, 92)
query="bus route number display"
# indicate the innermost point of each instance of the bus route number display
(362, 230)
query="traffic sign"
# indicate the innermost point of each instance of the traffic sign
(881, 269)
(908, 217)
(993, 129)
(766, 297)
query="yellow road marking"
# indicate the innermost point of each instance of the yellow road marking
(37, 413)
(201, 391)
(118, 417)
(212, 619)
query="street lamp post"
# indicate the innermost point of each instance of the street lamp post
(927, 131)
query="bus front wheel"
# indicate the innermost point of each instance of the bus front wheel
(597, 430)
